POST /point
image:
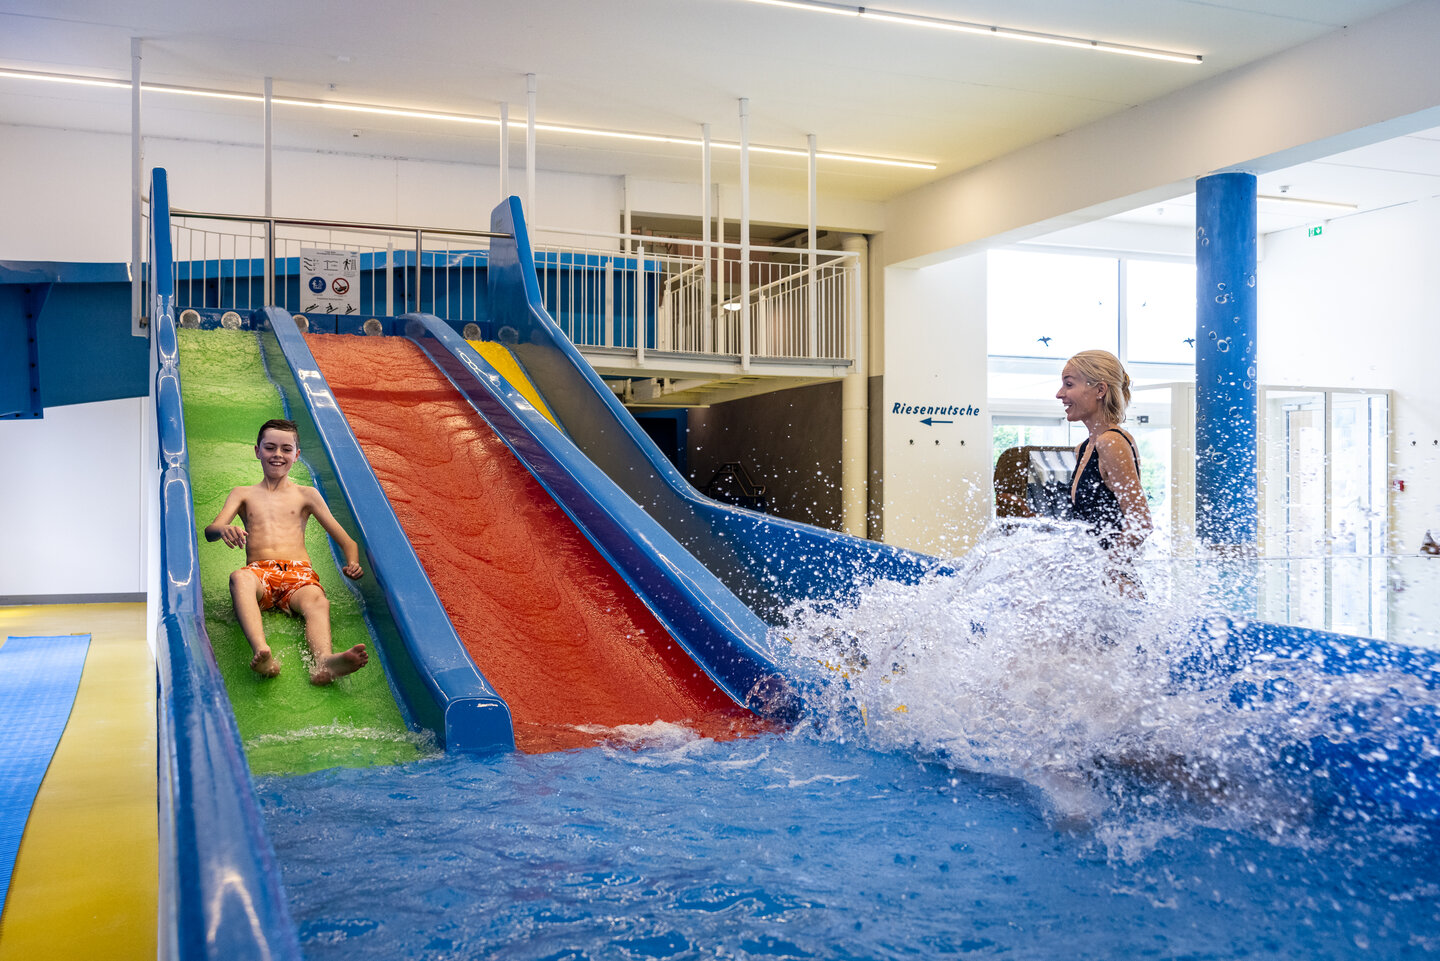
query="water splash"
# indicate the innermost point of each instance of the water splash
(1136, 721)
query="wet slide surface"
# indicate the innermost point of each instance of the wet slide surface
(289, 726)
(557, 632)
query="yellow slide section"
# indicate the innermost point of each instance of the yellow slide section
(505, 364)
(86, 876)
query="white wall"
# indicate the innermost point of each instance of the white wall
(70, 501)
(76, 205)
(1359, 306)
(936, 495)
(67, 195)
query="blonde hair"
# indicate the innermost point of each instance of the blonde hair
(1103, 367)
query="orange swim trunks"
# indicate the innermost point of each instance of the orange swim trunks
(281, 579)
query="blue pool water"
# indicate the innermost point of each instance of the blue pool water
(791, 847)
(1039, 787)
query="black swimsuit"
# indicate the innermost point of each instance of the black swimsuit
(1092, 501)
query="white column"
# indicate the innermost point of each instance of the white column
(137, 190)
(504, 150)
(707, 301)
(530, 149)
(855, 405)
(744, 233)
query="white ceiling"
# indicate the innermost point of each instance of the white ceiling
(1380, 175)
(666, 66)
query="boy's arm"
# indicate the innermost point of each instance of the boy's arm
(220, 529)
(321, 512)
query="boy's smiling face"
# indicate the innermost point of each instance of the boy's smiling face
(277, 452)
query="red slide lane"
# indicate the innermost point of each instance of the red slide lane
(557, 632)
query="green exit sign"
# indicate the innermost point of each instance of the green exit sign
(1316, 230)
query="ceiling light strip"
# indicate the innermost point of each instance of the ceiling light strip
(445, 117)
(985, 30)
(1287, 199)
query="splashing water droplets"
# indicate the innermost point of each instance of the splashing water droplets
(1132, 719)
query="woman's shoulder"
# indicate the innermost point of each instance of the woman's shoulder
(1115, 441)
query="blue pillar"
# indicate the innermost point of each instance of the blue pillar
(1226, 406)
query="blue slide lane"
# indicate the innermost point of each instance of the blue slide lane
(766, 561)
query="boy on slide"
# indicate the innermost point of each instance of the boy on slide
(278, 573)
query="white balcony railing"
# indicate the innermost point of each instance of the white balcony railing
(654, 293)
(636, 293)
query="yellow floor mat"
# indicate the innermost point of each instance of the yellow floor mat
(86, 880)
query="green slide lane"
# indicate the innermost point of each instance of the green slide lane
(289, 726)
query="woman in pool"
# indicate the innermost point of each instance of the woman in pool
(1105, 489)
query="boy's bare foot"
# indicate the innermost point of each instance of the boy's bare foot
(264, 664)
(338, 665)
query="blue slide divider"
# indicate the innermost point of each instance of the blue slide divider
(438, 679)
(220, 893)
(717, 631)
(767, 561)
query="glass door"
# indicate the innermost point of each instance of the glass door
(1324, 476)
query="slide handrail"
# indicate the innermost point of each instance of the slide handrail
(220, 890)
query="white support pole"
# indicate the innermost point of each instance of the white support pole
(722, 336)
(137, 191)
(504, 150)
(813, 285)
(269, 146)
(390, 278)
(625, 215)
(707, 302)
(640, 300)
(268, 272)
(609, 282)
(530, 149)
(744, 233)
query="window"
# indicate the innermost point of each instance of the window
(1051, 305)
(1045, 306)
(1159, 312)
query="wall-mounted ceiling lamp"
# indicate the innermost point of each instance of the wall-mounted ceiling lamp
(1287, 199)
(982, 29)
(458, 118)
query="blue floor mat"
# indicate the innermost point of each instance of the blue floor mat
(38, 680)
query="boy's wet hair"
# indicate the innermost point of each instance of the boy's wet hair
(276, 423)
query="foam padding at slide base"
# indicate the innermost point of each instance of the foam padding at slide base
(288, 725)
(38, 680)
